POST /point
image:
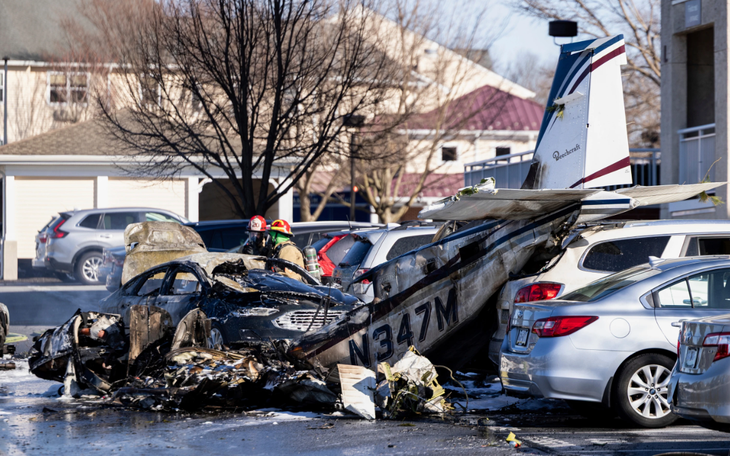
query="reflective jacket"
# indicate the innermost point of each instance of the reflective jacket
(289, 251)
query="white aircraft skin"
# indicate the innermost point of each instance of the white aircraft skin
(435, 297)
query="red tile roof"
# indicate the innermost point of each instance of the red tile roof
(486, 108)
(437, 185)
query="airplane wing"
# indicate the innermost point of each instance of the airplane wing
(519, 204)
(507, 204)
(660, 194)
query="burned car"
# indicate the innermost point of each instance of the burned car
(240, 295)
(189, 307)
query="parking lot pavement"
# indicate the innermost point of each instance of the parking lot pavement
(38, 305)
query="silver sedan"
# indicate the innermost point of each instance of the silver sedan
(698, 389)
(613, 342)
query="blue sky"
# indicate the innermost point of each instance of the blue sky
(522, 33)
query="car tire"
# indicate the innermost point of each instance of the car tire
(87, 268)
(640, 394)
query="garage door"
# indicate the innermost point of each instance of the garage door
(168, 195)
(40, 199)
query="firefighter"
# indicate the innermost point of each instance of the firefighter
(284, 248)
(256, 244)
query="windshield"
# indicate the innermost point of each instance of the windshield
(356, 254)
(610, 284)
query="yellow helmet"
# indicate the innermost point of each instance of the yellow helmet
(282, 226)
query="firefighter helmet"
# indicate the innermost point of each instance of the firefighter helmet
(281, 226)
(257, 223)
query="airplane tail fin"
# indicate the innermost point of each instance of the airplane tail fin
(583, 141)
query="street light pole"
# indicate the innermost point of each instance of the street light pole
(353, 193)
(354, 121)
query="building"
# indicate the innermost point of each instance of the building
(695, 96)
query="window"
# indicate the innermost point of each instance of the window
(448, 154)
(614, 256)
(68, 88)
(184, 283)
(118, 220)
(407, 244)
(708, 246)
(151, 284)
(356, 254)
(503, 151)
(157, 217)
(608, 285)
(91, 222)
(708, 290)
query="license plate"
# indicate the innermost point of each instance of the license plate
(522, 337)
(690, 358)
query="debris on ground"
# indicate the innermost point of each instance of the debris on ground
(512, 440)
(358, 386)
(153, 366)
(410, 387)
(91, 352)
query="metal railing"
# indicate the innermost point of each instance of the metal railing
(510, 171)
(696, 153)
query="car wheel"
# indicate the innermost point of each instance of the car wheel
(641, 391)
(87, 268)
(216, 340)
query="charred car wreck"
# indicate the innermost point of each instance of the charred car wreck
(162, 333)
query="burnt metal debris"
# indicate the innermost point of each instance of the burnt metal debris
(205, 330)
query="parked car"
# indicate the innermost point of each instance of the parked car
(225, 235)
(76, 239)
(40, 245)
(597, 250)
(227, 288)
(331, 250)
(374, 247)
(698, 387)
(613, 342)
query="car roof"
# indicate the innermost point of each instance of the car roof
(114, 209)
(374, 236)
(674, 263)
(622, 229)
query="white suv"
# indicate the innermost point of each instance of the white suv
(602, 249)
(374, 247)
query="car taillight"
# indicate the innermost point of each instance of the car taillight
(719, 340)
(360, 272)
(42, 238)
(560, 326)
(541, 291)
(57, 233)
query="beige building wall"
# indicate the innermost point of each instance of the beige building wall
(170, 195)
(39, 199)
(471, 149)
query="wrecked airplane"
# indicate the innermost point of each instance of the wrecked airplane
(437, 297)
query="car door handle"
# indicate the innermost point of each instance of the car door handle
(105, 236)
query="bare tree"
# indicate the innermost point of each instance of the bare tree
(252, 90)
(394, 167)
(529, 71)
(639, 22)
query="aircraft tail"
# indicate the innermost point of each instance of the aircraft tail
(583, 141)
